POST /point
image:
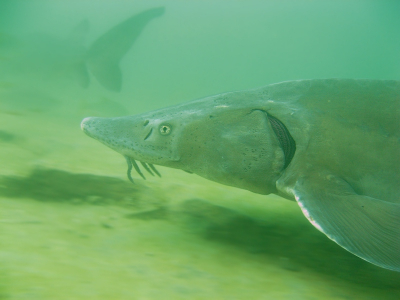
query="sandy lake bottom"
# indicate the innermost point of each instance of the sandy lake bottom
(73, 227)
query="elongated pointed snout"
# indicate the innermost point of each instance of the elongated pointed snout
(116, 133)
(88, 125)
(139, 137)
(119, 134)
(85, 124)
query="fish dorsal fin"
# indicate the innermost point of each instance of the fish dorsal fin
(365, 226)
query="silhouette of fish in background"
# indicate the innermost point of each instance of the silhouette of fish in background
(104, 55)
(46, 57)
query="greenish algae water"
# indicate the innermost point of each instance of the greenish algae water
(73, 227)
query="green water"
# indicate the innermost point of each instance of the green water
(73, 227)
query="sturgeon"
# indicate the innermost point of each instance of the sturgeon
(331, 145)
(49, 57)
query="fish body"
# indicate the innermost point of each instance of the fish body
(332, 145)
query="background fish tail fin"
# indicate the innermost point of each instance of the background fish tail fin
(105, 54)
(108, 74)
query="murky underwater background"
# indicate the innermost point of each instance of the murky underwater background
(73, 227)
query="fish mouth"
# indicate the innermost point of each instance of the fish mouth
(147, 166)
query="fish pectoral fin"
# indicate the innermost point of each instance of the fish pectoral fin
(365, 226)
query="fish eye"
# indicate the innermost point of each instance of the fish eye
(165, 129)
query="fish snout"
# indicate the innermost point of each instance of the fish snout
(84, 123)
(88, 125)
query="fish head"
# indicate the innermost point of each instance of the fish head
(229, 144)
